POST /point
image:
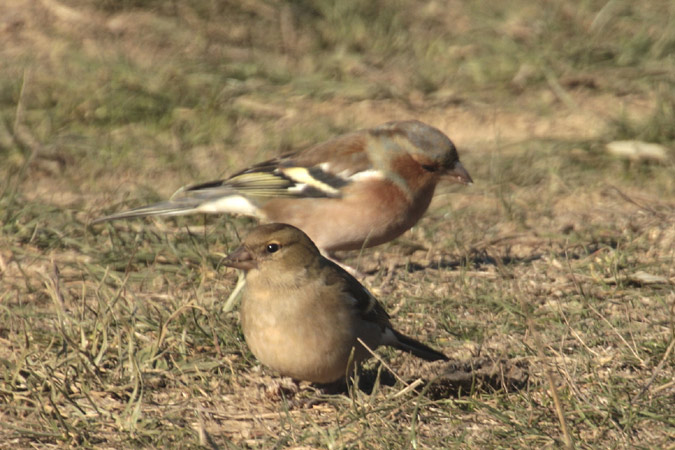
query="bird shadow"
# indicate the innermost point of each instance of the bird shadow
(478, 258)
(443, 379)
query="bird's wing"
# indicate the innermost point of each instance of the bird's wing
(321, 171)
(364, 302)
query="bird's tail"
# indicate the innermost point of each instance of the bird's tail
(213, 197)
(410, 345)
(167, 208)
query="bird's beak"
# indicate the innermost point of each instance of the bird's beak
(240, 259)
(458, 174)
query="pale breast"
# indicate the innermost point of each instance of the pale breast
(296, 338)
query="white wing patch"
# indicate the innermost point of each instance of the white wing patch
(365, 175)
(302, 176)
(298, 187)
(234, 204)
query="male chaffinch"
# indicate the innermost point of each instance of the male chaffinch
(357, 190)
(302, 314)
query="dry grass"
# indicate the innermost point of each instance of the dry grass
(558, 262)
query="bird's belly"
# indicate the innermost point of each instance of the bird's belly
(295, 344)
(350, 223)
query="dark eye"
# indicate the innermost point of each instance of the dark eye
(429, 168)
(272, 248)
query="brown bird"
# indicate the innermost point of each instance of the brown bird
(357, 190)
(303, 315)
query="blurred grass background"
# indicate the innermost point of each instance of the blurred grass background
(561, 255)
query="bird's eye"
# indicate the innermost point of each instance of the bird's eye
(272, 248)
(429, 168)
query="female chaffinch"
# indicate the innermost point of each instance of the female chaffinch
(354, 191)
(303, 315)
